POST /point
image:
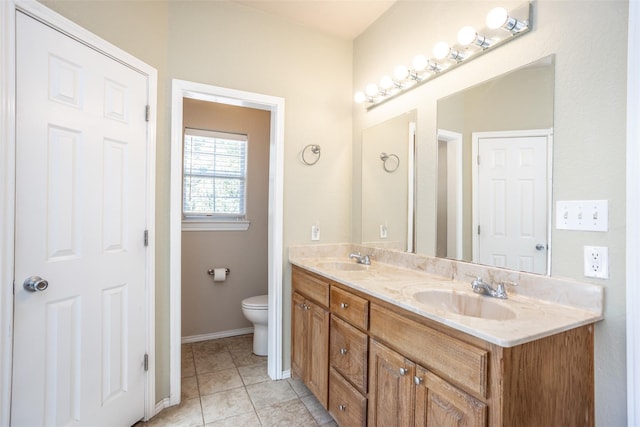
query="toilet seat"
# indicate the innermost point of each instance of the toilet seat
(260, 302)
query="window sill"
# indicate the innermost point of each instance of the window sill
(215, 225)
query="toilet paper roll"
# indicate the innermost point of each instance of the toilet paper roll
(219, 274)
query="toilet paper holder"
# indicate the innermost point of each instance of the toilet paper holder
(211, 271)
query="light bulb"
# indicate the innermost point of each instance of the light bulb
(360, 97)
(441, 50)
(420, 62)
(371, 89)
(467, 35)
(401, 72)
(386, 82)
(497, 17)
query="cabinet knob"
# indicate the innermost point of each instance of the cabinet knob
(342, 407)
(343, 351)
(417, 380)
(304, 307)
(403, 371)
(344, 305)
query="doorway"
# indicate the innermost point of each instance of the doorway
(182, 90)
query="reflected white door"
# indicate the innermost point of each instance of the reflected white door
(81, 135)
(511, 201)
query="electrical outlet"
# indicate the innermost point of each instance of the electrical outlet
(315, 231)
(596, 262)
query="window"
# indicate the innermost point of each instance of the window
(214, 180)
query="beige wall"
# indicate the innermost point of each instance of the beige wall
(226, 44)
(208, 306)
(589, 131)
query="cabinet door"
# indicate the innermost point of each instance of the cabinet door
(391, 390)
(318, 352)
(440, 404)
(299, 337)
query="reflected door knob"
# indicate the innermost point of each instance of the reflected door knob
(35, 284)
(540, 247)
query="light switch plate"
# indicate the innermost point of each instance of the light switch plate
(584, 215)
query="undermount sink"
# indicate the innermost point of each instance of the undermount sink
(343, 266)
(464, 304)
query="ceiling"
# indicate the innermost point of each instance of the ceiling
(346, 19)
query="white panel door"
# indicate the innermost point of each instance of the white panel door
(512, 202)
(81, 135)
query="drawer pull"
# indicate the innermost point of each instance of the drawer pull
(417, 380)
(344, 305)
(343, 351)
(342, 407)
(403, 371)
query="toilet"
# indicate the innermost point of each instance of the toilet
(256, 310)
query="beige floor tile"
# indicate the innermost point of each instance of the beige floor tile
(240, 342)
(211, 362)
(299, 387)
(189, 388)
(246, 358)
(215, 382)
(319, 414)
(244, 420)
(270, 393)
(254, 374)
(291, 414)
(226, 404)
(331, 423)
(187, 414)
(188, 369)
(209, 347)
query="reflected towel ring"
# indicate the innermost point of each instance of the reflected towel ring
(390, 158)
(315, 150)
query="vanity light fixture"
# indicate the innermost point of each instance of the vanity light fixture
(499, 18)
(468, 36)
(470, 45)
(442, 50)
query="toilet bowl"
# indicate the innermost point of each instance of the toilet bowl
(256, 310)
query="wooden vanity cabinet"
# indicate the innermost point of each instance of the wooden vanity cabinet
(310, 334)
(385, 366)
(391, 388)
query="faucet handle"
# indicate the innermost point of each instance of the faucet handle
(507, 282)
(500, 291)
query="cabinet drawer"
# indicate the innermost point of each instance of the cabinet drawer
(310, 286)
(350, 307)
(346, 405)
(456, 361)
(348, 354)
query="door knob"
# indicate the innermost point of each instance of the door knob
(35, 284)
(540, 247)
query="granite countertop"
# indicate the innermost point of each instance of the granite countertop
(519, 319)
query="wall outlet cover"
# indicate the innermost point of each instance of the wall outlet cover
(596, 262)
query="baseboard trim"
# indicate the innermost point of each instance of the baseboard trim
(286, 374)
(217, 335)
(163, 404)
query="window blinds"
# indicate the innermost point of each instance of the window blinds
(214, 174)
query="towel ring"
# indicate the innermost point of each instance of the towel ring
(387, 158)
(315, 151)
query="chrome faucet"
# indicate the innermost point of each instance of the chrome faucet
(479, 286)
(361, 259)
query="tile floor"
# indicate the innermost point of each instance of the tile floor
(225, 384)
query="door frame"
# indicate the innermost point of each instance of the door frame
(454, 181)
(633, 215)
(185, 89)
(475, 137)
(45, 15)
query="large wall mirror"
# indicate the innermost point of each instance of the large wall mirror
(494, 167)
(387, 183)
(494, 170)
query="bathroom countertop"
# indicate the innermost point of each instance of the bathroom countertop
(527, 318)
